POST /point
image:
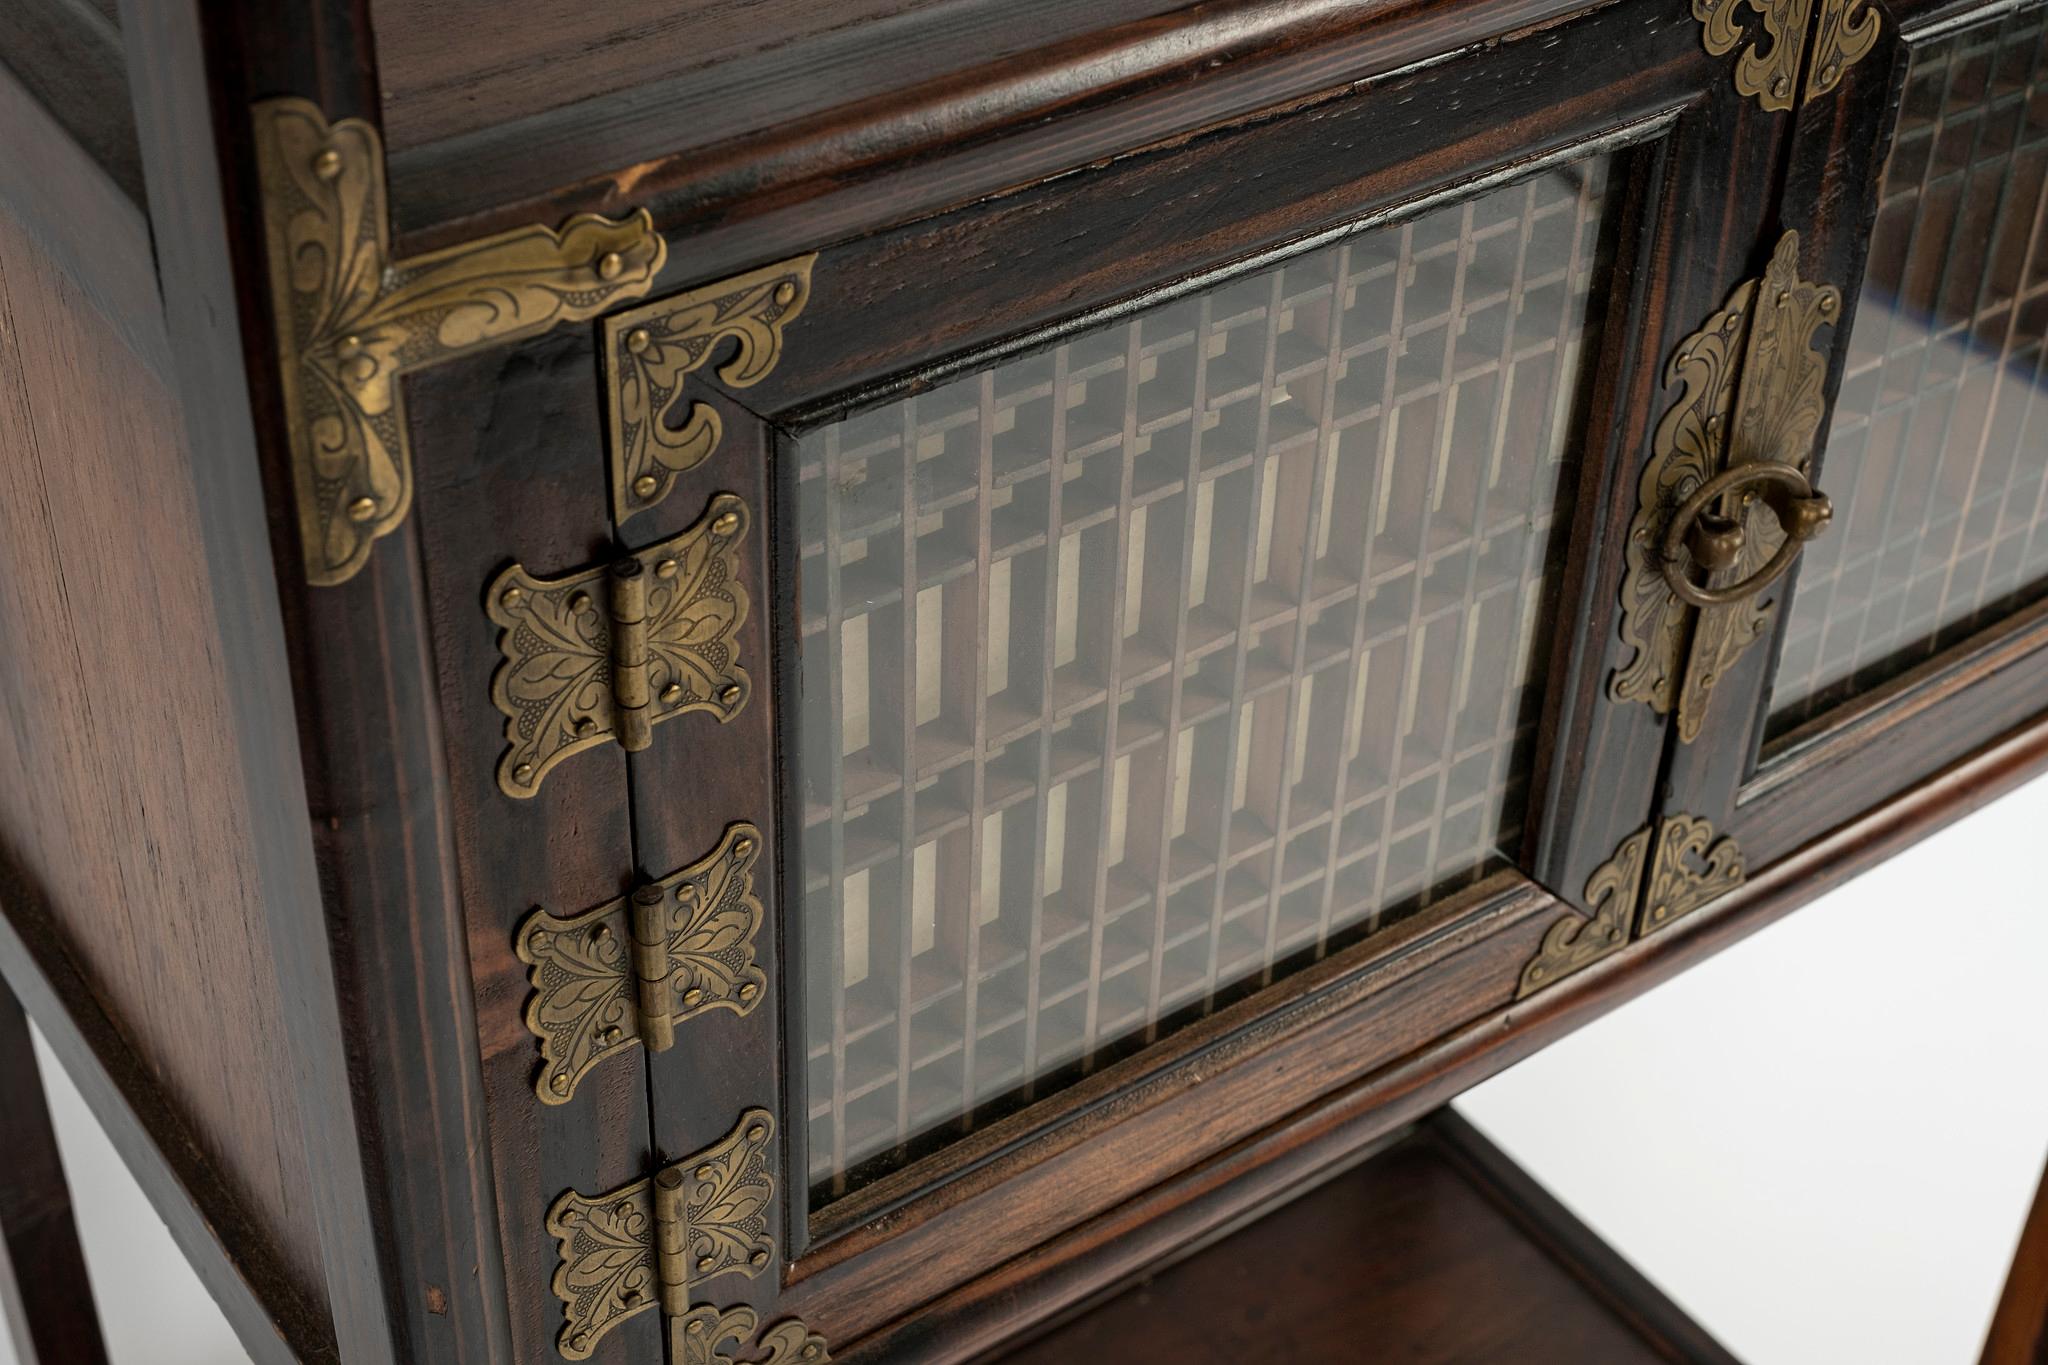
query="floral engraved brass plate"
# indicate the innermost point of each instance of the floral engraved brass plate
(1690, 869)
(585, 1006)
(564, 687)
(1672, 868)
(1751, 382)
(700, 1337)
(1777, 417)
(1768, 70)
(351, 321)
(651, 350)
(1843, 35)
(654, 1241)
(1576, 941)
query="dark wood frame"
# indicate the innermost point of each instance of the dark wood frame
(355, 768)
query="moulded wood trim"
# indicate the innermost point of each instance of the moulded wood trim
(977, 1317)
(760, 135)
(226, 1247)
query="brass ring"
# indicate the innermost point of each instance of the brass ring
(1802, 515)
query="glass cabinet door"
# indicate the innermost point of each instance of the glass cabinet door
(1141, 668)
(1937, 456)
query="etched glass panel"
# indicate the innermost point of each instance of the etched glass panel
(1140, 670)
(1938, 458)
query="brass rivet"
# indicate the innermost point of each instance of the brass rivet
(749, 991)
(705, 1172)
(1827, 303)
(570, 1215)
(580, 602)
(725, 524)
(743, 847)
(696, 1327)
(1782, 86)
(350, 348)
(693, 997)
(560, 1085)
(623, 1209)
(327, 165)
(638, 340)
(523, 772)
(785, 293)
(671, 694)
(757, 1134)
(811, 1351)
(759, 1258)
(362, 509)
(665, 569)
(609, 265)
(634, 1298)
(612, 1034)
(1784, 298)
(580, 1341)
(512, 597)
(730, 694)
(704, 1263)
(601, 934)
(645, 485)
(585, 725)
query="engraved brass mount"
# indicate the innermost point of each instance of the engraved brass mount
(1767, 70)
(656, 1241)
(1668, 870)
(627, 973)
(648, 353)
(351, 322)
(1726, 491)
(610, 652)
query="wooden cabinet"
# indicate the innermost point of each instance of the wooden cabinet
(849, 670)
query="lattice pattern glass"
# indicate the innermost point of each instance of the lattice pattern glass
(1938, 458)
(1140, 669)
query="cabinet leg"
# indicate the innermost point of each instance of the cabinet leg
(44, 1293)
(2019, 1331)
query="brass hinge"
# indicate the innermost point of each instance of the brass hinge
(1725, 490)
(351, 322)
(650, 350)
(655, 1242)
(1768, 69)
(626, 973)
(1686, 866)
(612, 651)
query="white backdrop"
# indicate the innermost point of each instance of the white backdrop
(1821, 1142)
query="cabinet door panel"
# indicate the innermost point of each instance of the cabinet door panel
(1911, 633)
(1187, 608)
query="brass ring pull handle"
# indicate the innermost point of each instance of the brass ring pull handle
(1715, 542)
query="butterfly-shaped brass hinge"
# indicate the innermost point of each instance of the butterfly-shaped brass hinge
(1767, 70)
(655, 1242)
(1668, 870)
(351, 322)
(654, 430)
(625, 974)
(613, 651)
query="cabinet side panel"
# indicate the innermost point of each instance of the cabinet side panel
(119, 791)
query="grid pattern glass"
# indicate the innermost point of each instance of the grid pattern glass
(1144, 668)
(1938, 457)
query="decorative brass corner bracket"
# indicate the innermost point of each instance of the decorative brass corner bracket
(625, 974)
(698, 1338)
(650, 351)
(1686, 867)
(351, 322)
(610, 652)
(656, 1241)
(1768, 69)
(1725, 491)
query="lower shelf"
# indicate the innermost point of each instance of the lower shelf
(1437, 1250)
